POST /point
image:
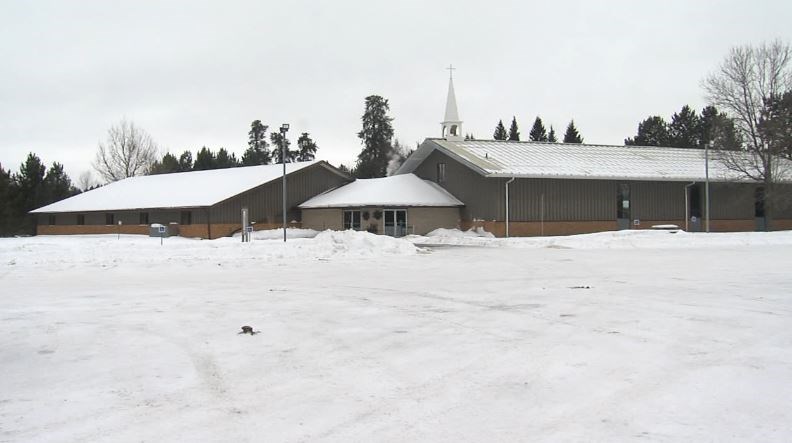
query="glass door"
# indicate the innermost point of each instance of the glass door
(395, 222)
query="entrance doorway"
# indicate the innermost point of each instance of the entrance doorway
(623, 206)
(759, 209)
(395, 222)
(695, 206)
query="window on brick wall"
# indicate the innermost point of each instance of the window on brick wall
(51, 219)
(80, 219)
(109, 218)
(186, 218)
(144, 219)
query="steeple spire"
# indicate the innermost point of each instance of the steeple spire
(452, 126)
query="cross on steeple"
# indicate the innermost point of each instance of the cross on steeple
(451, 71)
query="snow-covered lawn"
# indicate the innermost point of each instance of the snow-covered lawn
(605, 337)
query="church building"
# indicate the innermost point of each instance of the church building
(542, 188)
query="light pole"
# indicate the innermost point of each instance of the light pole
(706, 187)
(283, 130)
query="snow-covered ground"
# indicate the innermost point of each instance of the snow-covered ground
(604, 337)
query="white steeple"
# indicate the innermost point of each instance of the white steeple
(452, 126)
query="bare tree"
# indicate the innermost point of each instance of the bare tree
(86, 181)
(129, 151)
(747, 82)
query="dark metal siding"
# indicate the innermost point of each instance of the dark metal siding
(264, 203)
(577, 200)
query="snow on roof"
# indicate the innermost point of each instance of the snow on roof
(397, 190)
(179, 190)
(578, 161)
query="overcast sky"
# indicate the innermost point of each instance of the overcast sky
(195, 73)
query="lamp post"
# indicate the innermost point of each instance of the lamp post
(283, 130)
(706, 188)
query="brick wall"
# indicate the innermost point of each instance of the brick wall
(530, 229)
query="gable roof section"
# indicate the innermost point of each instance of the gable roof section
(396, 190)
(492, 158)
(178, 190)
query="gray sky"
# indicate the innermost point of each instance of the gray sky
(196, 73)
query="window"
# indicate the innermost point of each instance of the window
(623, 202)
(144, 219)
(759, 202)
(80, 219)
(441, 173)
(352, 220)
(109, 219)
(186, 218)
(51, 219)
(396, 222)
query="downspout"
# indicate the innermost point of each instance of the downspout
(507, 205)
(687, 205)
(209, 223)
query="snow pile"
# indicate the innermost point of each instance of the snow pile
(359, 244)
(628, 239)
(277, 234)
(108, 251)
(456, 233)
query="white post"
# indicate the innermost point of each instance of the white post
(687, 205)
(706, 186)
(283, 129)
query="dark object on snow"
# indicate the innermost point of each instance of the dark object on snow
(248, 330)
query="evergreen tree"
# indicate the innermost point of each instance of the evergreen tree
(514, 133)
(551, 136)
(775, 124)
(275, 138)
(684, 131)
(224, 160)
(651, 132)
(32, 187)
(7, 212)
(57, 184)
(185, 161)
(538, 132)
(258, 152)
(31, 192)
(376, 136)
(167, 165)
(306, 148)
(500, 132)
(717, 128)
(205, 160)
(572, 135)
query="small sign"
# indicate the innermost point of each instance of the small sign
(119, 222)
(636, 222)
(161, 229)
(248, 229)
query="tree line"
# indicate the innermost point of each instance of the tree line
(31, 187)
(130, 151)
(538, 132)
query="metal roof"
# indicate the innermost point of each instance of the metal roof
(179, 190)
(398, 190)
(495, 158)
